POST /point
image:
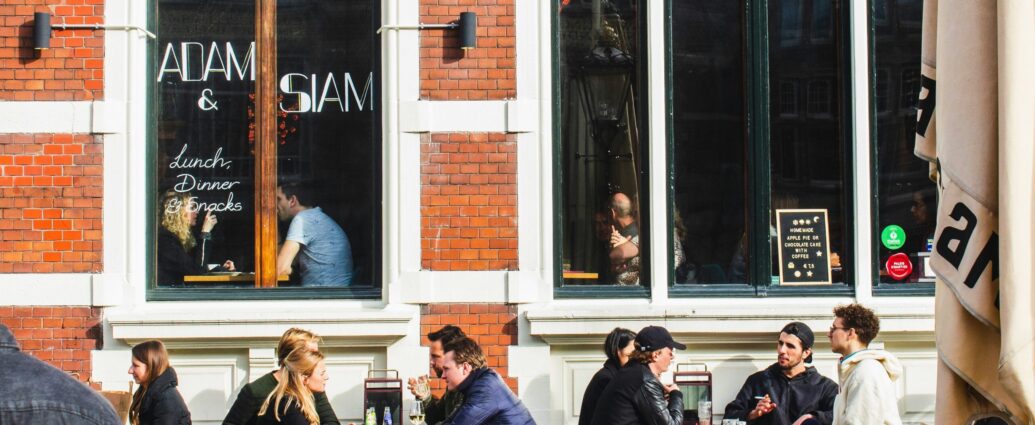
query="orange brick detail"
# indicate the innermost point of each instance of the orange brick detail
(61, 336)
(485, 72)
(71, 69)
(51, 223)
(492, 326)
(469, 201)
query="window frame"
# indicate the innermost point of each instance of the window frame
(761, 282)
(375, 291)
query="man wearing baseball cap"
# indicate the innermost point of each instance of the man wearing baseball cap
(636, 396)
(789, 391)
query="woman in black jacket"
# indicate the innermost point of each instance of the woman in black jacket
(179, 252)
(156, 401)
(618, 346)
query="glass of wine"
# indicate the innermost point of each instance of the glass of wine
(417, 413)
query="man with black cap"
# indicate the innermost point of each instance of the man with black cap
(790, 391)
(636, 395)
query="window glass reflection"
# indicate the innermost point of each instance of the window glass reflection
(599, 57)
(807, 165)
(907, 199)
(709, 147)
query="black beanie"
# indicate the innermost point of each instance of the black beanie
(804, 333)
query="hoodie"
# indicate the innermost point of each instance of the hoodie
(868, 393)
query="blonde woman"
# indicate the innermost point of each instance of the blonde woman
(292, 402)
(254, 394)
(156, 401)
(179, 252)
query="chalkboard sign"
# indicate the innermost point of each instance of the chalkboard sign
(804, 247)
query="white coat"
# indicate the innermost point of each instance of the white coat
(868, 394)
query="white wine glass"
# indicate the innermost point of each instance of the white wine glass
(417, 413)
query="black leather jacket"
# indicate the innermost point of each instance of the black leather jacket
(636, 397)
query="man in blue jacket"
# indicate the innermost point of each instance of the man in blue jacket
(487, 400)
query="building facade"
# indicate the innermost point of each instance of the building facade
(476, 186)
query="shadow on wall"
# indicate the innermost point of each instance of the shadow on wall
(209, 406)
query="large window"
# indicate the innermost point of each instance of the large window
(907, 199)
(326, 160)
(602, 203)
(758, 124)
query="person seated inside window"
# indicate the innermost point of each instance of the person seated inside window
(625, 241)
(180, 252)
(313, 238)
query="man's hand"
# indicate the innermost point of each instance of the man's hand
(229, 265)
(419, 387)
(764, 406)
(411, 384)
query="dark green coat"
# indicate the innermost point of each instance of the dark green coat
(251, 397)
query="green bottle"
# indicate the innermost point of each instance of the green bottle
(371, 417)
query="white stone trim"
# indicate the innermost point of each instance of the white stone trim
(200, 324)
(715, 321)
(72, 289)
(498, 116)
(92, 117)
(431, 287)
(861, 146)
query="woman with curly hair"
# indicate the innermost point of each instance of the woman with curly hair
(156, 401)
(292, 402)
(179, 252)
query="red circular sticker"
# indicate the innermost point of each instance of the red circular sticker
(899, 266)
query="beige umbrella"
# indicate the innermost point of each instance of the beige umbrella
(979, 98)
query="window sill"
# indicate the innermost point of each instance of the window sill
(707, 290)
(244, 294)
(207, 324)
(601, 291)
(903, 289)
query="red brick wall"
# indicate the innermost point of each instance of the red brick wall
(492, 326)
(73, 67)
(61, 336)
(469, 201)
(485, 72)
(51, 192)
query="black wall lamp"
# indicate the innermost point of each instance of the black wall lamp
(467, 24)
(42, 28)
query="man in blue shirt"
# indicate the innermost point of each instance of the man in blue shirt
(322, 248)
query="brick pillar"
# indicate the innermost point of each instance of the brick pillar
(469, 201)
(61, 336)
(492, 326)
(485, 72)
(50, 208)
(73, 67)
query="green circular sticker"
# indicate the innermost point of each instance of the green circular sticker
(893, 237)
